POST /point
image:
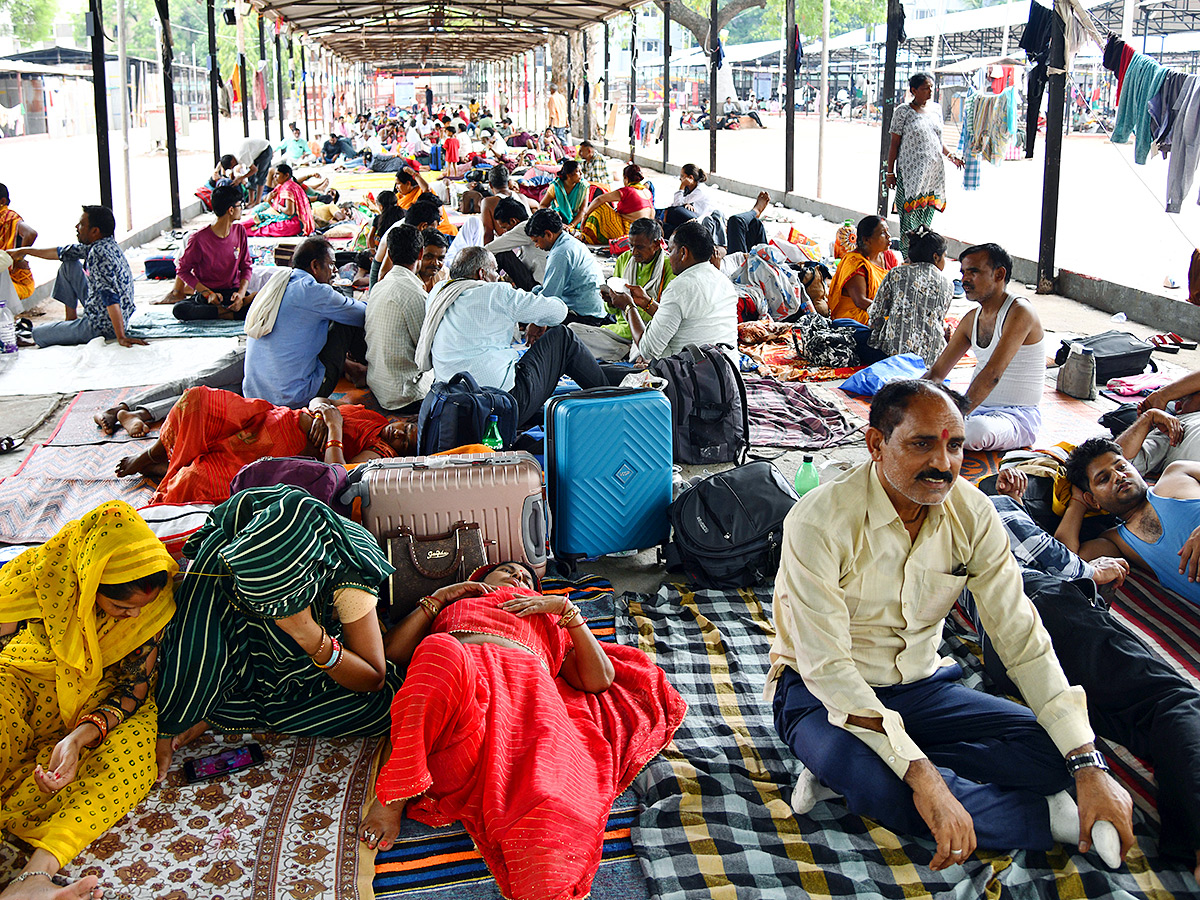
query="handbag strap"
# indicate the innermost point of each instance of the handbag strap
(406, 534)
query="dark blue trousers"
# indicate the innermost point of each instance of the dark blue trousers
(996, 759)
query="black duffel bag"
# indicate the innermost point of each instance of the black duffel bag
(1118, 353)
(728, 528)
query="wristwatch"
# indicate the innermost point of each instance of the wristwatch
(1093, 758)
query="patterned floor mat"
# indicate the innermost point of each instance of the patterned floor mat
(57, 484)
(718, 822)
(77, 428)
(285, 828)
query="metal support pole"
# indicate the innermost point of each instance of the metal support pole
(304, 86)
(100, 94)
(666, 112)
(168, 65)
(214, 80)
(279, 80)
(587, 92)
(567, 89)
(789, 101)
(266, 70)
(241, 47)
(604, 105)
(1056, 100)
(713, 41)
(895, 18)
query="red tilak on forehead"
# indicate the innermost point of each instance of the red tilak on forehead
(945, 433)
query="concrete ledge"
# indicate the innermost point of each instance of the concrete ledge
(136, 239)
(1158, 312)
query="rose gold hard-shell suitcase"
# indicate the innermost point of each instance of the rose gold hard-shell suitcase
(503, 492)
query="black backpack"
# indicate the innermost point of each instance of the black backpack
(728, 528)
(708, 403)
(455, 413)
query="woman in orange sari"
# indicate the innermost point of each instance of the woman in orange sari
(14, 232)
(514, 720)
(210, 435)
(860, 273)
(609, 215)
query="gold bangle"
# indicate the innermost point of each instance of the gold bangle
(321, 646)
(430, 606)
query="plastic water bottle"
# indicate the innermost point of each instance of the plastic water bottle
(8, 331)
(491, 436)
(807, 476)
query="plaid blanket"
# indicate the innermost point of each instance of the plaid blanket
(797, 416)
(718, 821)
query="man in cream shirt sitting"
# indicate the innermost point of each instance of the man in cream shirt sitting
(699, 306)
(871, 565)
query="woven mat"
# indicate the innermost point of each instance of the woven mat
(798, 416)
(718, 821)
(57, 484)
(77, 428)
(442, 863)
(283, 829)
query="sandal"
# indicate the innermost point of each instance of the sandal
(1184, 343)
(9, 443)
(1164, 343)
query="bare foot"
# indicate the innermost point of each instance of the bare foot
(133, 422)
(356, 372)
(39, 887)
(763, 201)
(381, 825)
(165, 748)
(106, 421)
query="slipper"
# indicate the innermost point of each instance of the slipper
(1184, 343)
(1164, 343)
(9, 443)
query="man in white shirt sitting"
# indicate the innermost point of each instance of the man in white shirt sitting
(871, 564)
(699, 306)
(523, 261)
(469, 327)
(395, 312)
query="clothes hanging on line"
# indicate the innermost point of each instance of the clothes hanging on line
(1163, 111)
(965, 139)
(1143, 79)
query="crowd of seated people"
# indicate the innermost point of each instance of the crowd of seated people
(856, 689)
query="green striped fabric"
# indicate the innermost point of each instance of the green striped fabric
(264, 554)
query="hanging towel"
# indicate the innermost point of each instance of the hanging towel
(970, 160)
(1143, 78)
(1185, 145)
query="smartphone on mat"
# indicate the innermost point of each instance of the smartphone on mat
(222, 763)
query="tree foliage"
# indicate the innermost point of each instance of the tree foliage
(762, 20)
(31, 19)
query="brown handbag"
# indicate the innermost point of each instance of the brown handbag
(424, 564)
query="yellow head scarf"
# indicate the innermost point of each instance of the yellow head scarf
(57, 583)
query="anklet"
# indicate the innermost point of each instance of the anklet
(25, 875)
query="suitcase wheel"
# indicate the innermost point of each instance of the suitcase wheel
(565, 568)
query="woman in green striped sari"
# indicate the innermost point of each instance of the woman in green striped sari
(276, 628)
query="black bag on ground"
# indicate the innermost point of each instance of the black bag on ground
(728, 528)
(455, 413)
(708, 403)
(1118, 353)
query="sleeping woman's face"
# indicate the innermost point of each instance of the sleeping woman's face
(509, 573)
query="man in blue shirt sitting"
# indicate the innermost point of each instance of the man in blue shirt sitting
(469, 325)
(298, 340)
(571, 271)
(94, 273)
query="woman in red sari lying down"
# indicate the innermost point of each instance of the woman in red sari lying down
(209, 435)
(515, 721)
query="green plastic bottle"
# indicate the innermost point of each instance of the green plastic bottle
(491, 435)
(807, 476)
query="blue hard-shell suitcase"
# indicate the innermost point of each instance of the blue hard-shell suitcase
(608, 468)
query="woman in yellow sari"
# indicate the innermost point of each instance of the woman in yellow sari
(15, 232)
(609, 215)
(79, 620)
(860, 273)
